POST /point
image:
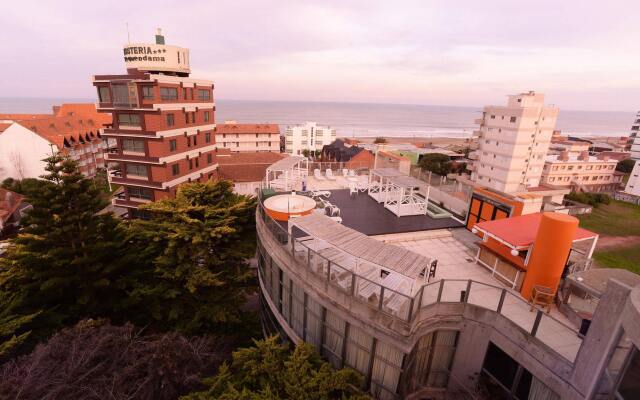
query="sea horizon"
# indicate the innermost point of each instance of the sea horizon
(355, 119)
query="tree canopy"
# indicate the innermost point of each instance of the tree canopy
(95, 360)
(270, 371)
(196, 247)
(68, 262)
(437, 163)
(625, 166)
(380, 140)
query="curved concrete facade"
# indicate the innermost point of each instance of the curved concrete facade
(466, 316)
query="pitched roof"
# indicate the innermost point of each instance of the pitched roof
(247, 128)
(9, 203)
(246, 167)
(73, 123)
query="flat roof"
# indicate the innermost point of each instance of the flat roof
(386, 172)
(521, 231)
(407, 181)
(391, 257)
(595, 279)
(364, 214)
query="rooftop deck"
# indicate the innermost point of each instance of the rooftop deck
(364, 214)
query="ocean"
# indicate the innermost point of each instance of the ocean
(368, 119)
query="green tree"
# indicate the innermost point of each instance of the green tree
(306, 152)
(270, 371)
(25, 186)
(625, 166)
(437, 163)
(380, 140)
(196, 248)
(66, 264)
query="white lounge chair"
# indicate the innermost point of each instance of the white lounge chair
(318, 175)
(345, 172)
(329, 174)
(353, 189)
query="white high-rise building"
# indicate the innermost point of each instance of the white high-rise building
(513, 142)
(633, 184)
(309, 136)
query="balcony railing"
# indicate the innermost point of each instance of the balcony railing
(340, 281)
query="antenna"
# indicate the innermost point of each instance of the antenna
(128, 37)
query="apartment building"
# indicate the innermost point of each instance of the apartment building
(163, 123)
(633, 184)
(310, 136)
(73, 130)
(248, 137)
(582, 172)
(513, 141)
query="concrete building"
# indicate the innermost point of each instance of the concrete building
(367, 296)
(513, 142)
(633, 184)
(73, 130)
(248, 137)
(310, 136)
(582, 172)
(163, 123)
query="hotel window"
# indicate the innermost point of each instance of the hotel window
(170, 120)
(173, 145)
(137, 170)
(175, 169)
(207, 114)
(133, 145)
(193, 117)
(493, 117)
(195, 140)
(190, 163)
(168, 93)
(191, 93)
(204, 94)
(209, 158)
(512, 119)
(129, 119)
(197, 162)
(207, 137)
(139, 193)
(147, 92)
(184, 93)
(104, 95)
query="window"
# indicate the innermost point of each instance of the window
(104, 95)
(147, 92)
(140, 193)
(197, 162)
(184, 93)
(129, 119)
(191, 93)
(175, 169)
(195, 140)
(190, 163)
(207, 114)
(168, 93)
(493, 117)
(173, 145)
(170, 120)
(193, 117)
(209, 158)
(512, 119)
(204, 94)
(137, 170)
(207, 137)
(133, 145)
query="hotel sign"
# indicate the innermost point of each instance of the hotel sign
(156, 57)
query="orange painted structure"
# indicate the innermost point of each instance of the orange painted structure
(550, 251)
(285, 206)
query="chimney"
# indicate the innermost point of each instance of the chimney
(564, 156)
(159, 36)
(584, 156)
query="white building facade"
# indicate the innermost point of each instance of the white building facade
(22, 152)
(513, 141)
(309, 136)
(633, 184)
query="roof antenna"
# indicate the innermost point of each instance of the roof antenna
(128, 38)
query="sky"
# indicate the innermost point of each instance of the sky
(583, 54)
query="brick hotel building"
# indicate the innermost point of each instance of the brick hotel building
(163, 123)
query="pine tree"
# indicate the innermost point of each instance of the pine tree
(197, 245)
(66, 264)
(270, 371)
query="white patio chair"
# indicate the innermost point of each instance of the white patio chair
(318, 175)
(345, 172)
(353, 189)
(329, 174)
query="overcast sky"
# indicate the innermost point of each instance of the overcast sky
(583, 54)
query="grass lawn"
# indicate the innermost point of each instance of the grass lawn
(625, 257)
(615, 219)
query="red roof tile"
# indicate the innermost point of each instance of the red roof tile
(246, 167)
(9, 203)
